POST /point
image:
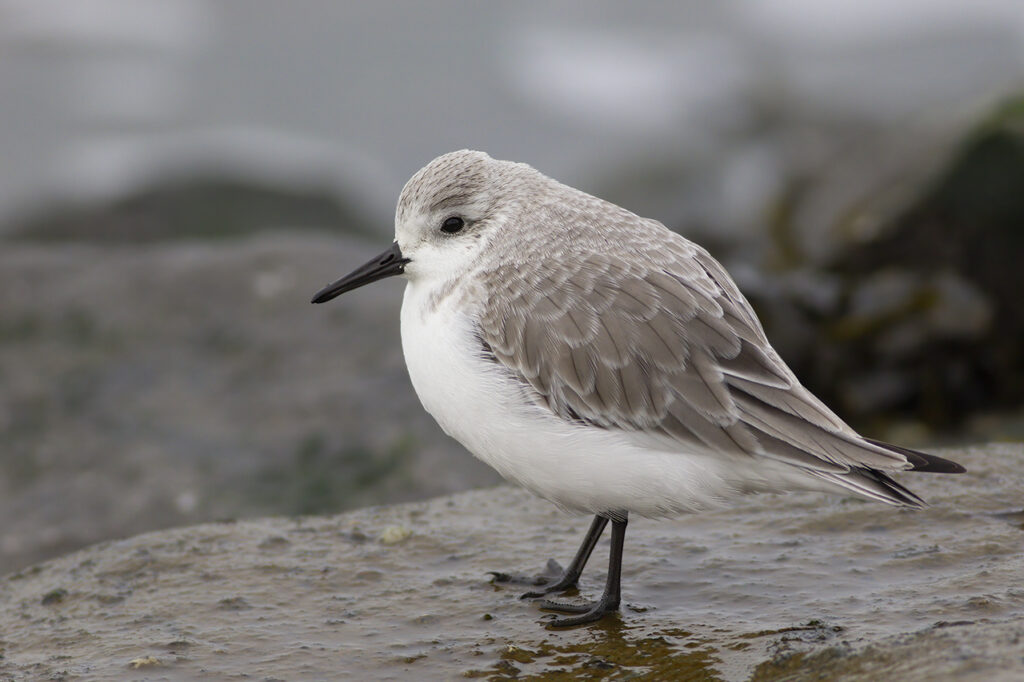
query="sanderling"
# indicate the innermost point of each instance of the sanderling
(602, 361)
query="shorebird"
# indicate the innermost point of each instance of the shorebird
(602, 361)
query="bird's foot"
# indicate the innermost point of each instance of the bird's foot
(552, 574)
(553, 579)
(589, 612)
(564, 582)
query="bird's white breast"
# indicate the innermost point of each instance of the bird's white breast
(582, 468)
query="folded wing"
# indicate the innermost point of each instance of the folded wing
(670, 346)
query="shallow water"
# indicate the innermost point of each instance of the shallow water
(782, 587)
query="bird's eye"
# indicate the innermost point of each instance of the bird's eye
(453, 224)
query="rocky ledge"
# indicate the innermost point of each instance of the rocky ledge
(790, 587)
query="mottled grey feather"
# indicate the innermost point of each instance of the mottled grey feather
(649, 333)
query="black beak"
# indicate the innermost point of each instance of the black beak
(387, 264)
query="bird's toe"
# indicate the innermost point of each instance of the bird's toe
(589, 612)
(551, 575)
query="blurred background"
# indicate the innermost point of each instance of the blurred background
(177, 178)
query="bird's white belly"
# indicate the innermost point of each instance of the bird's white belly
(580, 468)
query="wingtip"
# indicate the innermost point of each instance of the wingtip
(921, 461)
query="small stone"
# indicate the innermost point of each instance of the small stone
(54, 596)
(234, 604)
(392, 535)
(143, 662)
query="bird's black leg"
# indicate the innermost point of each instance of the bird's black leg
(568, 576)
(609, 601)
(572, 574)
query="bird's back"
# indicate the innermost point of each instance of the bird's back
(614, 322)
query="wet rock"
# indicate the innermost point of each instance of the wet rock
(796, 587)
(956, 321)
(914, 307)
(199, 204)
(149, 385)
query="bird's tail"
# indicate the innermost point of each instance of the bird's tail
(878, 485)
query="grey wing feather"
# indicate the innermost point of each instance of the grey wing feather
(670, 346)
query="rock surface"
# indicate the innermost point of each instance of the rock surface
(146, 386)
(915, 309)
(781, 587)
